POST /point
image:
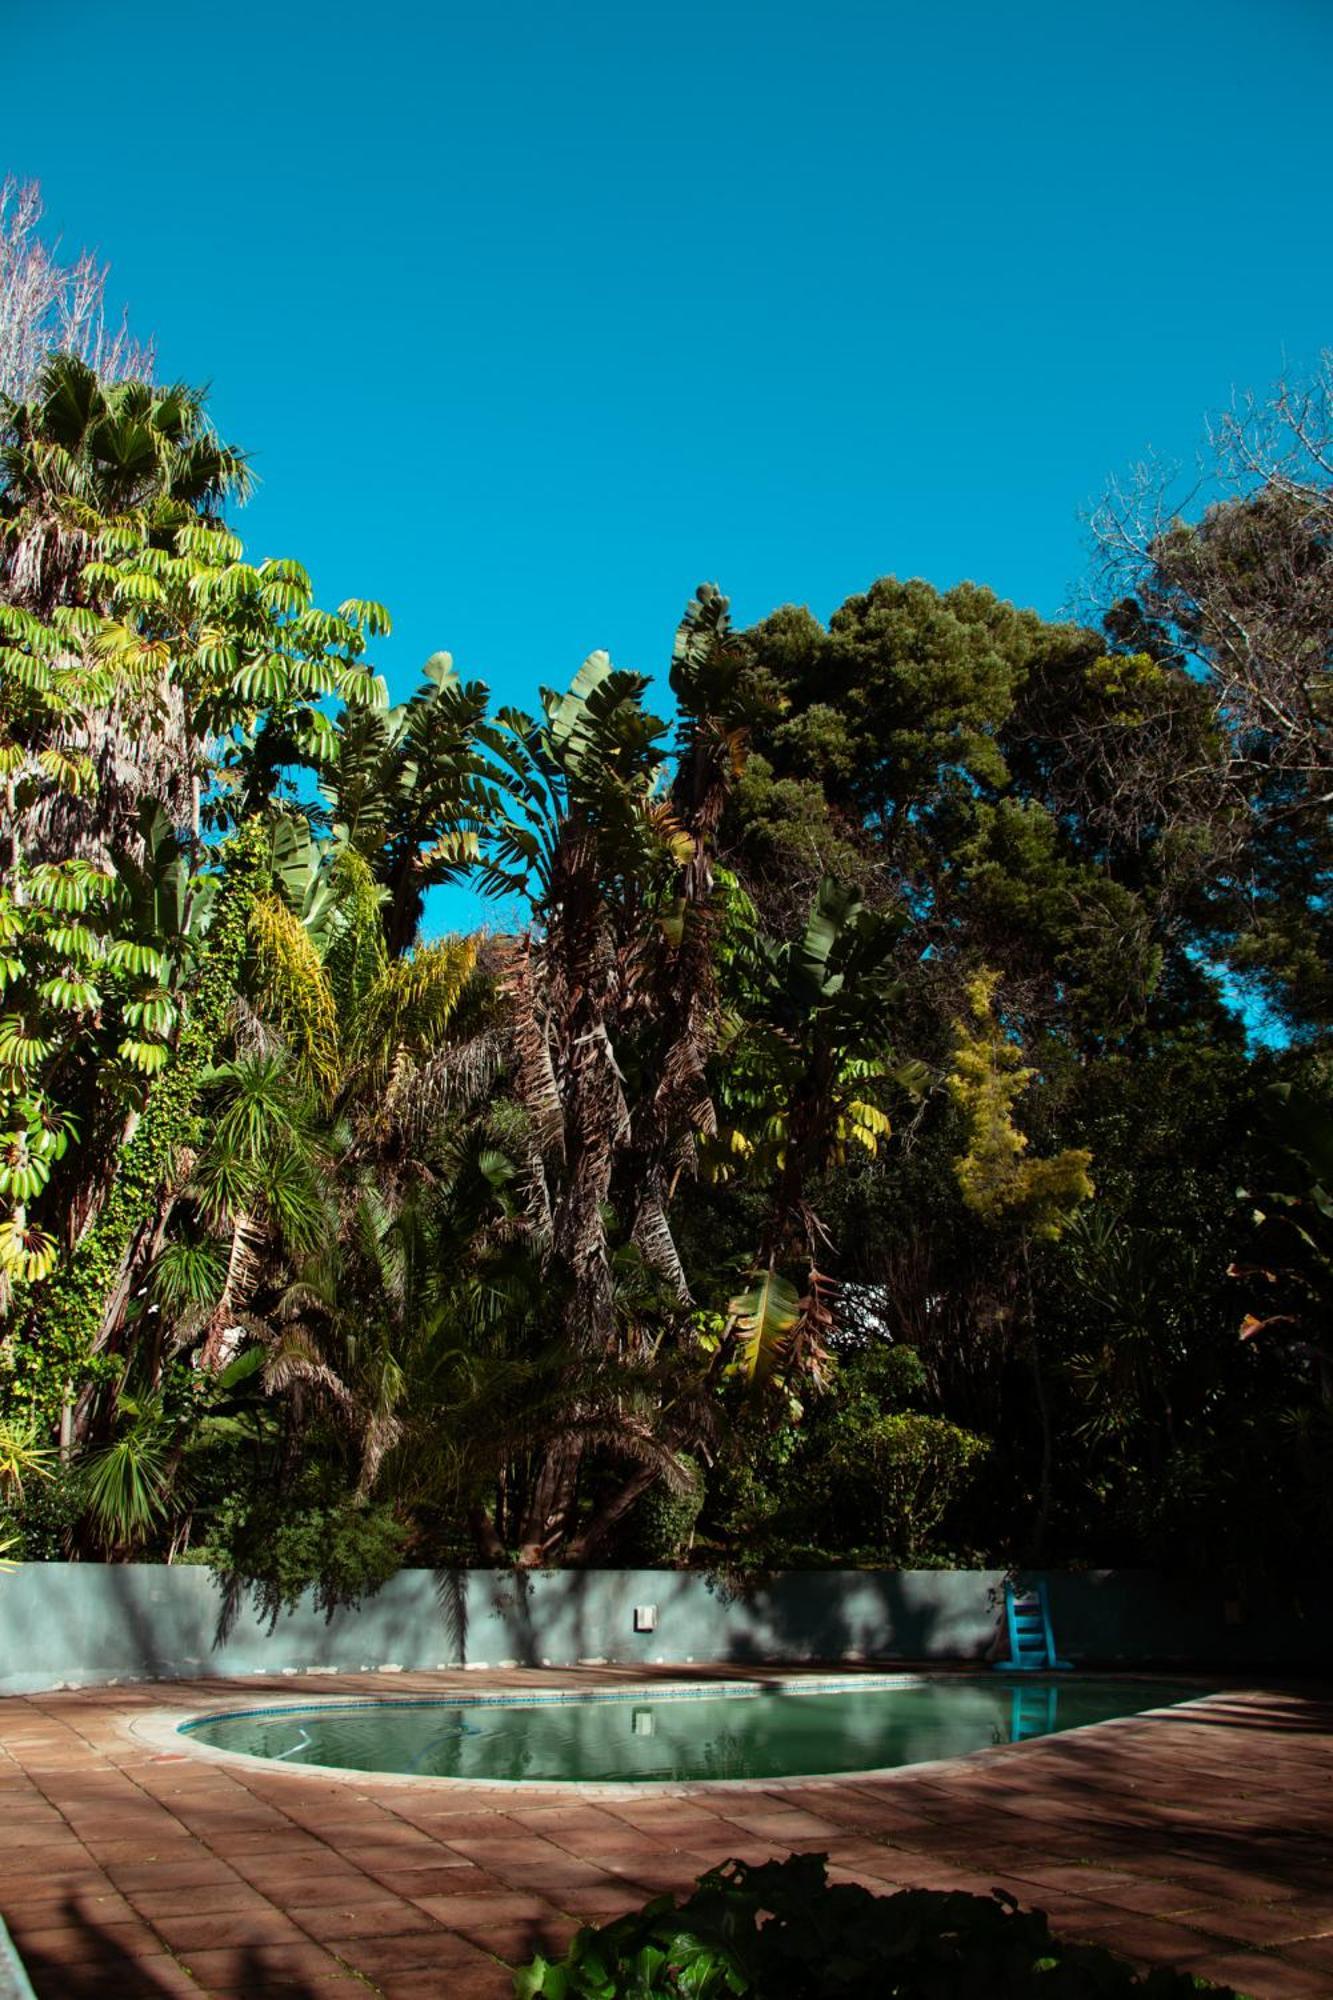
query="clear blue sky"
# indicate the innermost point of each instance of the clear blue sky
(533, 315)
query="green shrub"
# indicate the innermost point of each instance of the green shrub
(782, 1931)
(864, 1479)
(896, 1476)
(281, 1544)
(42, 1521)
(662, 1526)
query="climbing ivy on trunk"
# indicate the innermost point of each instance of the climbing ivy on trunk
(70, 1317)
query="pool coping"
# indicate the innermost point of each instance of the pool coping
(14, 1981)
(164, 1731)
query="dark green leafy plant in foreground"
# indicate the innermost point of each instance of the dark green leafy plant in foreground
(782, 1931)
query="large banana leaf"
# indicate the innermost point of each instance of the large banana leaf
(763, 1318)
(566, 714)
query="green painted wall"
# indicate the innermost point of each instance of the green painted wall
(85, 1623)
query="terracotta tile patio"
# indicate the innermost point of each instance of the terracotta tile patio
(1202, 1839)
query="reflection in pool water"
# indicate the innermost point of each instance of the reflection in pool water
(635, 1738)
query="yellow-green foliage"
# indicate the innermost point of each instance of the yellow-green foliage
(356, 955)
(292, 988)
(22, 1454)
(1131, 683)
(995, 1178)
(353, 1011)
(408, 1007)
(764, 1319)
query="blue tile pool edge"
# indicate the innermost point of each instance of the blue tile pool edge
(630, 1788)
(555, 1697)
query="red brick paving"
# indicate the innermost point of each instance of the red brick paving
(1203, 1838)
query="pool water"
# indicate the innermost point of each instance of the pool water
(632, 1737)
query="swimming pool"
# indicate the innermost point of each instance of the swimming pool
(664, 1735)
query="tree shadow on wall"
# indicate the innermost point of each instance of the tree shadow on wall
(451, 1597)
(826, 1616)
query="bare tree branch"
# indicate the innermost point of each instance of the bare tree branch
(47, 306)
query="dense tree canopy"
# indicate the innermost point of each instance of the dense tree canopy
(857, 1153)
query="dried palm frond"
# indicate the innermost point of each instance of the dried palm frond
(301, 1301)
(535, 1078)
(296, 1360)
(652, 1234)
(381, 1433)
(806, 1350)
(244, 1264)
(253, 1035)
(457, 1078)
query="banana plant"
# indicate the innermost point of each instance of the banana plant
(403, 788)
(802, 1076)
(610, 1005)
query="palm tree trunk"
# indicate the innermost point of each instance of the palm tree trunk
(595, 1538)
(485, 1535)
(550, 1503)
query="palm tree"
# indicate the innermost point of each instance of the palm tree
(610, 1007)
(78, 452)
(171, 669)
(804, 1065)
(404, 791)
(315, 1115)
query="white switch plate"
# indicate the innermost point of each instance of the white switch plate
(645, 1617)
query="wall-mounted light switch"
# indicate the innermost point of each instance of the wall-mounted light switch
(645, 1617)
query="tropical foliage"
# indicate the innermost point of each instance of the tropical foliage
(837, 1159)
(780, 1930)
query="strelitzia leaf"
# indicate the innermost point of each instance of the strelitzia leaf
(763, 1317)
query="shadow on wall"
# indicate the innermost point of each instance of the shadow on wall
(451, 1598)
(871, 1615)
(84, 1623)
(1150, 1618)
(81, 1623)
(88, 1623)
(512, 1592)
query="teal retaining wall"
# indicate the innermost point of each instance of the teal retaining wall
(82, 1624)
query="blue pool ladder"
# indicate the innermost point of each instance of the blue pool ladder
(1033, 1711)
(1031, 1640)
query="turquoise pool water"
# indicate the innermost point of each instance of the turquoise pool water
(658, 1737)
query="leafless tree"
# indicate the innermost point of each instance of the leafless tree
(1246, 586)
(47, 306)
